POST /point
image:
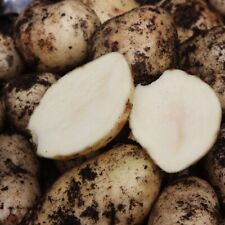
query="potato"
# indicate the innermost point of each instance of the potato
(16, 155)
(118, 187)
(145, 36)
(17, 195)
(11, 63)
(23, 94)
(217, 82)
(190, 16)
(204, 55)
(188, 201)
(106, 9)
(52, 35)
(215, 166)
(219, 5)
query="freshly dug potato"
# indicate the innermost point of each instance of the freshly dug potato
(17, 155)
(215, 166)
(118, 187)
(11, 63)
(190, 16)
(188, 201)
(147, 38)
(18, 192)
(23, 94)
(52, 35)
(204, 55)
(217, 82)
(107, 9)
(219, 5)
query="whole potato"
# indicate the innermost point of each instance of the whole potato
(189, 201)
(190, 16)
(219, 5)
(23, 94)
(16, 155)
(118, 187)
(52, 35)
(204, 54)
(147, 38)
(11, 63)
(18, 193)
(107, 9)
(215, 166)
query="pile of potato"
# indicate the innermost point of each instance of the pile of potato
(114, 181)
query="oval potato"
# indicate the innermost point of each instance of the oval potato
(118, 187)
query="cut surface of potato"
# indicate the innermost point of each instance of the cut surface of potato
(176, 119)
(84, 110)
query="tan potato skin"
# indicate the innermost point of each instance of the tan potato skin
(219, 5)
(23, 94)
(215, 166)
(107, 9)
(16, 153)
(52, 35)
(18, 192)
(11, 63)
(118, 187)
(146, 37)
(204, 54)
(190, 16)
(189, 201)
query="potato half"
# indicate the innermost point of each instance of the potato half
(118, 187)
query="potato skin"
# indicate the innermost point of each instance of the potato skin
(215, 166)
(17, 155)
(52, 35)
(204, 54)
(219, 5)
(188, 201)
(190, 16)
(130, 34)
(117, 187)
(107, 9)
(18, 192)
(23, 94)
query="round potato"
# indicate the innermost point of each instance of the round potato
(52, 35)
(190, 16)
(23, 94)
(204, 54)
(17, 195)
(118, 187)
(17, 155)
(219, 5)
(186, 201)
(215, 166)
(11, 63)
(145, 36)
(107, 9)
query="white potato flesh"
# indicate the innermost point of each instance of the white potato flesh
(176, 119)
(84, 110)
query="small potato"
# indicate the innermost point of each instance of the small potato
(16, 155)
(204, 54)
(18, 193)
(23, 94)
(147, 38)
(118, 187)
(52, 35)
(188, 201)
(215, 166)
(107, 9)
(219, 5)
(217, 82)
(190, 16)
